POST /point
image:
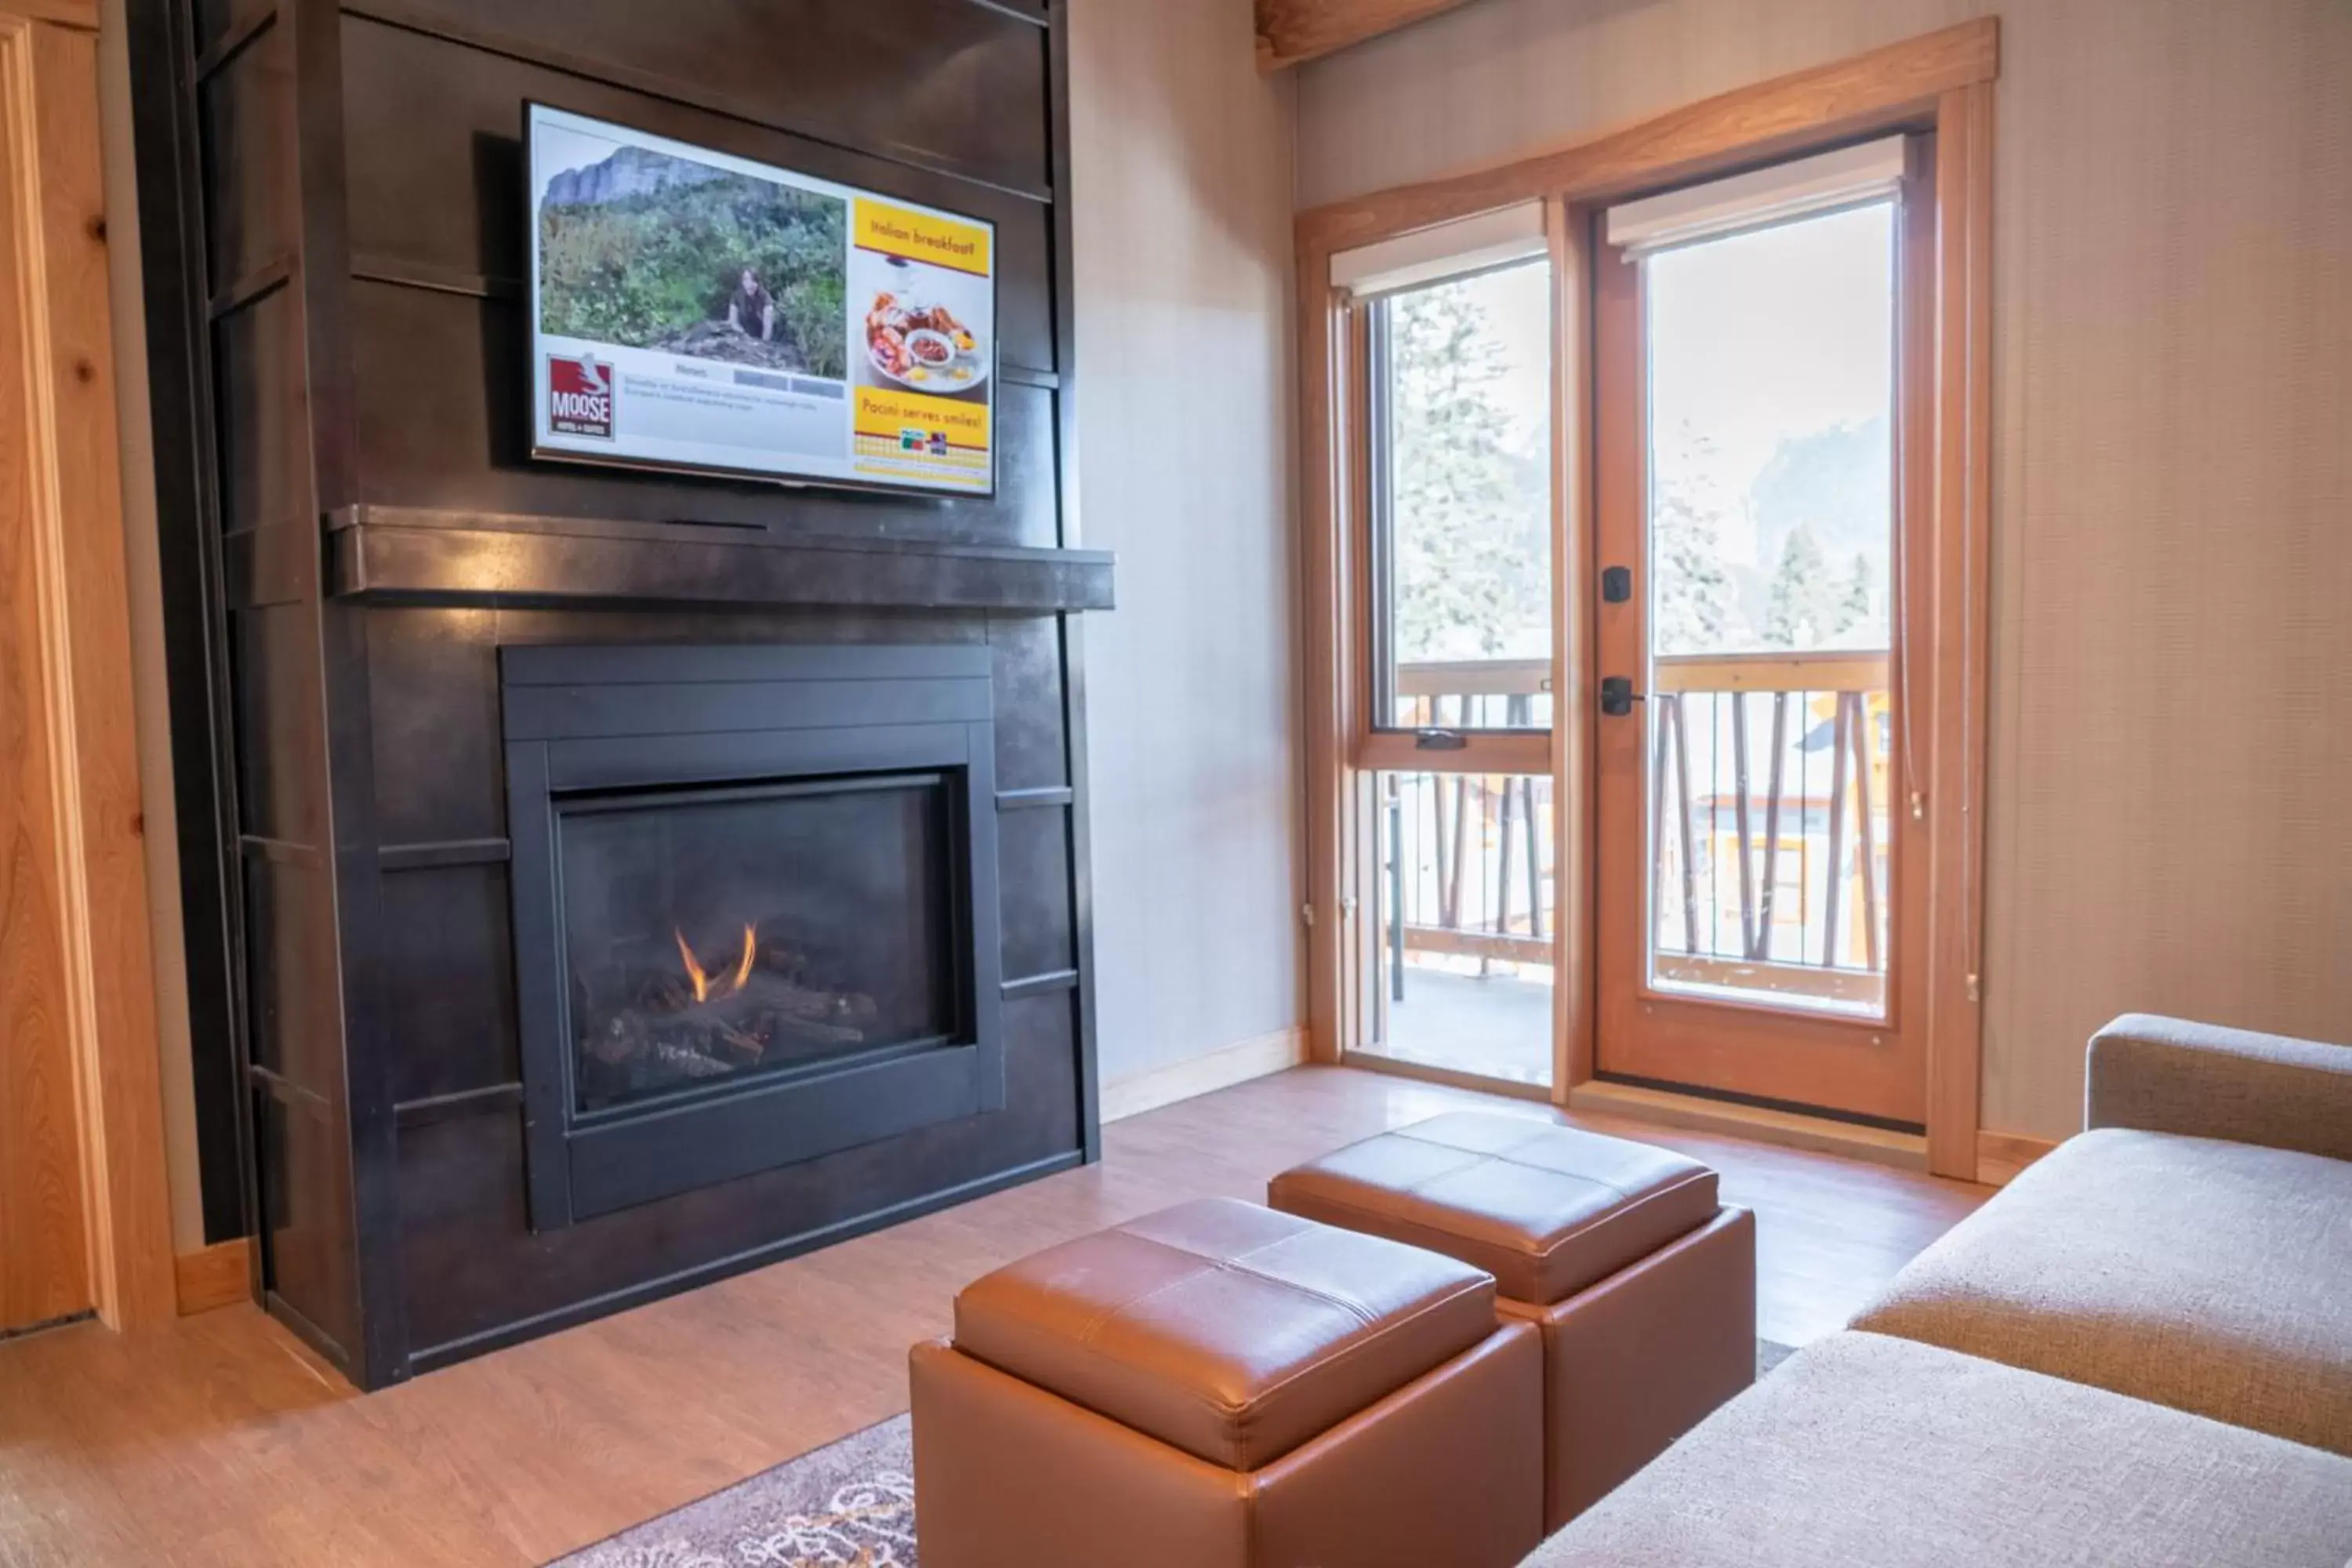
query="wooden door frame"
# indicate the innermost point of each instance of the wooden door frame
(57, 445)
(1941, 81)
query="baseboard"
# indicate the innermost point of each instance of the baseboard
(1424, 1072)
(1904, 1150)
(219, 1276)
(1139, 1092)
(2001, 1155)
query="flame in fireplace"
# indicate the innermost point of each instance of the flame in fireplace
(700, 978)
(693, 970)
(751, 951)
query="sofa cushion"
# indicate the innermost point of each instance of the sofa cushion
(1867, 1449)
(2209, 1276)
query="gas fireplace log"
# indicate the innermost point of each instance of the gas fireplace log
(769, 1014)
(807, 1032)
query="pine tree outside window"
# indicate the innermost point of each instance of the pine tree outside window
(1462, 514)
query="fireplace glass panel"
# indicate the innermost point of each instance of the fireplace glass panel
(720, 935)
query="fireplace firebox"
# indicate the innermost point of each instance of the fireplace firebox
(713, 935)
(755, 907)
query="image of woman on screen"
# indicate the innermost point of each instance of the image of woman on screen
(751, 307)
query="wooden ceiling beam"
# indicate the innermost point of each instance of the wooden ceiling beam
(1290, 32)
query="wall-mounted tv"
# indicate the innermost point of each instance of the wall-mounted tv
(694, 311)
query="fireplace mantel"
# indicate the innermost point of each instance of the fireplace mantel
(417, 554)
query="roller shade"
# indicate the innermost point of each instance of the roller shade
(1784, 191)
(1448, 250)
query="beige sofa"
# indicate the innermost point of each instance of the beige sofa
(2139, 1352)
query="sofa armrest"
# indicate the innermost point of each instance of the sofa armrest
(2168, 1075)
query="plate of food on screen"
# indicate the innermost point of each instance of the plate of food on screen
(923, 347)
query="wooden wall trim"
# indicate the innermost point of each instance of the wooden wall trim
(80, 15)
(2001, 1156)
(1941, 81)
(1292, 32)
(63, 442)
(44, 1260)
(1326, 824)
(1961, 628)
(1573, 763)
(219, 1276)
(1852, 96)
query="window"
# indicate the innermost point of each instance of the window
(1469, 920)
(1461, 511)
(1458, 330)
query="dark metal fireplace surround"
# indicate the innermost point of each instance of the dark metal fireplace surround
(597, 882)
(755, 909)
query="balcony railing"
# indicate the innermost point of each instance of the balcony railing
(1769, 829)
(1769, 786)
(1469, 856)
(1475, 694)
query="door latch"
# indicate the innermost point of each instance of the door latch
(1618, 696)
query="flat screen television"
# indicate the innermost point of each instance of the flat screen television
(694, 311)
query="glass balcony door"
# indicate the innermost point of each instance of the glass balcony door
(1752, 476)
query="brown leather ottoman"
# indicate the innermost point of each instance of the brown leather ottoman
(1218, 1385)
(1643, 1283)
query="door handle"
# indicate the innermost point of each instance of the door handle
(1618, 696)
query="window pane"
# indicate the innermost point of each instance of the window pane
(1463, 427)
(1466, 923)
(1770, 462)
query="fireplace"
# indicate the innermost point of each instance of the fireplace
(712, 936)
(754, 900)
(459, 800)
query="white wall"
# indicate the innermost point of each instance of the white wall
(2170, 812)
(1183, 192)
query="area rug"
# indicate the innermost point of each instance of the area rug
(850, 1504)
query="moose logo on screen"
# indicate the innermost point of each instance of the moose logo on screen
(579, 396)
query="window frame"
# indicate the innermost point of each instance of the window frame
(1433, 741)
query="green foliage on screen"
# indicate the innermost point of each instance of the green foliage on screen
(646, 269)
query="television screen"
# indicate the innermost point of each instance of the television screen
(692, 309)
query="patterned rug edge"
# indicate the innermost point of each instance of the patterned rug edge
(855, 1495)
(849, 1504)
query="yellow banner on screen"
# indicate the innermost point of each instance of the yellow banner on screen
(922, 237)
(913, 419)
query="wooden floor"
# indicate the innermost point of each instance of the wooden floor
(219, 1441)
